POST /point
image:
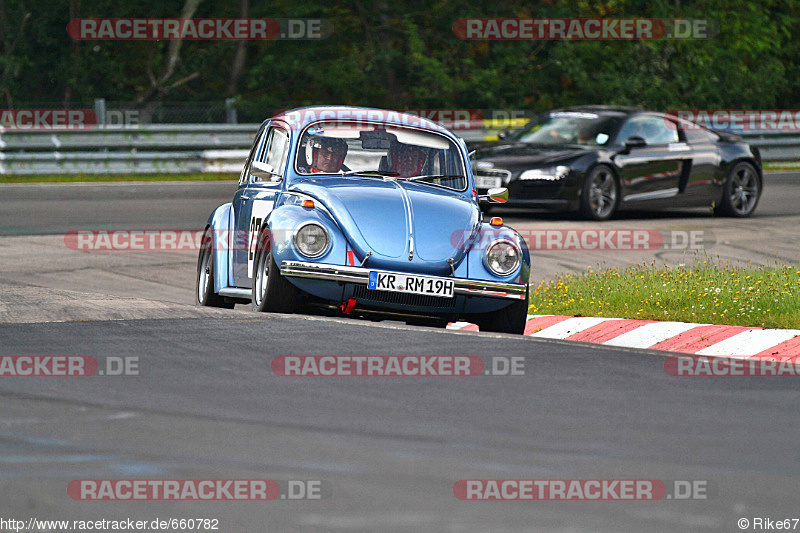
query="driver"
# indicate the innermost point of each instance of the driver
(407, 159)
(327, 154)
(585, 134)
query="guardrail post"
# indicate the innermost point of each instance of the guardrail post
(230, 111)
(100, 111)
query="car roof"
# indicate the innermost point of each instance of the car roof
(301, 117)
(602, 110)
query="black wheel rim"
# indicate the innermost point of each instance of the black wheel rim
(602, 194)
(744, 190)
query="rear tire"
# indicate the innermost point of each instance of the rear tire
(511, 319)
(741, 191)
(272, 293)
(204, 288)
(600, 194)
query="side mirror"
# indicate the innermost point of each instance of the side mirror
(495, 196)
(634, 142)
(263, 171)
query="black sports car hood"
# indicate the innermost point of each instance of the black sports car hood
(523, 155)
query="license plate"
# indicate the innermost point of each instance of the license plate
(487, 182)
(393, 282)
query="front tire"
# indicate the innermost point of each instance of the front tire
(511, 319)
(204, 288)
(600, 194)
(741, 192)
(272, 293)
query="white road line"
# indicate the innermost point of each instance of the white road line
(648, 335)
(570, 326)
(750, 342)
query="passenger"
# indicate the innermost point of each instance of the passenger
(407, 159)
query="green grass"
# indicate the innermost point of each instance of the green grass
(764, 296)
(73, 178)
(778, 167)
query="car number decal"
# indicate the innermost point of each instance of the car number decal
(261, 208)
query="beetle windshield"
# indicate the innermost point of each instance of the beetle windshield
(351, 148)
(586, 129)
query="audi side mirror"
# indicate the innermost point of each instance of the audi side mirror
(634, 142)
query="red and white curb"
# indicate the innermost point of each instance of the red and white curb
(682, 337)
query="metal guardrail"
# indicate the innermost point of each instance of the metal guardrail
(170, 149)
(776, 147)
(200, 148)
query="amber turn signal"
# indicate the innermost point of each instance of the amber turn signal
(496, 221)
(308, 203)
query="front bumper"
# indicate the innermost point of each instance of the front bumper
(360, 276)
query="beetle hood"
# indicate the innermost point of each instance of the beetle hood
(393, 218)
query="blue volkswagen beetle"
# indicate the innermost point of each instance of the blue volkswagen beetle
(363, 212)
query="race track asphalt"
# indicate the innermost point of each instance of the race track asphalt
(45, 208)
(207, 404)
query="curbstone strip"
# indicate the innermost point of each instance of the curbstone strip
(683, 337)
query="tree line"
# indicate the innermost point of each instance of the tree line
(403, 54)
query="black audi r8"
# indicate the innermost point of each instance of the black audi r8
(597, 159)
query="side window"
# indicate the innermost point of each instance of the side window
(258, 144)
(697, 134)
(259, 151)
(653, 129)
(275, 157)
(272, 153)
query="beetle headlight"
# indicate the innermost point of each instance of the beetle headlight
(311, 239)
(546, 174)
(503, 257)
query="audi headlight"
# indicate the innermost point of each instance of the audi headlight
(546, 174)
(311, 239)
(503, 257)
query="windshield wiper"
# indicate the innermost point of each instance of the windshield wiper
(542, 145)
(434, 176)
(369, 173)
